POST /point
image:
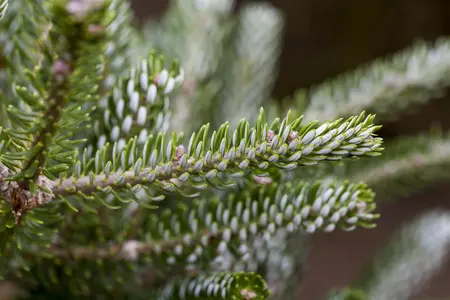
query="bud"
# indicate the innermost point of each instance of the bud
(248, 294)
(81, 8)
(292, 136)
(270, 135)
(96, 29)
(262, 180)
(179, 152)
(61, 69)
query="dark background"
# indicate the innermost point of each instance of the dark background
(322, 39)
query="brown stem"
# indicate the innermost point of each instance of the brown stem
(57, 100)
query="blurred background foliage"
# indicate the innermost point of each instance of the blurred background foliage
(321, 40)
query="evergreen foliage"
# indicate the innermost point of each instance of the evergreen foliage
(139, 164)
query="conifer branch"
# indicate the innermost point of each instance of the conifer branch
(192, 234)
(120, 59)
(78, 204)
(207, 235)
(385, 87)
(50, 93)
(78, 40)
(119, 52)
(248, 150)
(288, 145)
(139, 103)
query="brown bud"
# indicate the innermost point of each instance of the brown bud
(292, 136)
(61, 69)
(262, 180)
(179, 152)
(248, 294)
(96, 29)
(80, 9)
(361, 206)
(270, 135)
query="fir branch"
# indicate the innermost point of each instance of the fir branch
(168, 241)
(119, 52)
(53, 121)
(192, 234)
(414, 255)
(205, 236)
(245, 286)
(385, 87)
(65, 57)
(139, 103)
(285, 146)
(52, 87)
(126, 173)
(250, 69)
(412, 163)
